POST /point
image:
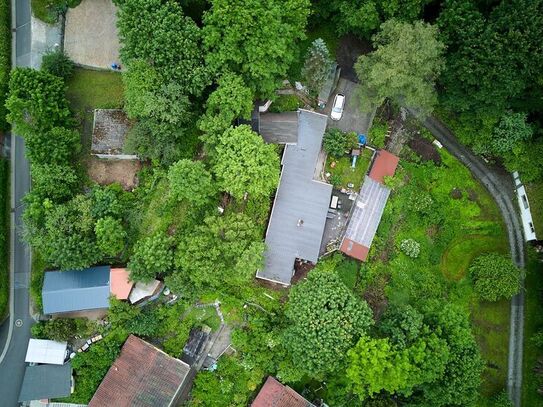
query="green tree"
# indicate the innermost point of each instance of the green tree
(404, 66)
(107, 201)
(224, 250)
(510, 132)
(317, 66)
(66, 238)
(56, 146)
(36, 102)
(57, 63)
(151, 256)
(324, 320)
(231, 100)
(245, 164)
(189, 180)
(110, 236)
(402, 325)
(56, 182)
(494, 277)
(254, 39)
(158, 32)
(459, 385)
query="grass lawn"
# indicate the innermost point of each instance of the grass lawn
(533, 322)
(535, 197)
(490, 321)
(452, 229)
(4, 237)
(346, 172)
(87, 90)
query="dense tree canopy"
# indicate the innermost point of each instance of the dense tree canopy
(245, 164)
(317, 66)
(404, 67)
(324, 321)
(222, 250)
(189, 180)
(56, 146)
(254, 39)
(36, 102)
(152, 256)
(110, 235)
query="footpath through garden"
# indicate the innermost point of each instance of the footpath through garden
(501, 190)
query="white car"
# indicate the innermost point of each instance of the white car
(337, 107)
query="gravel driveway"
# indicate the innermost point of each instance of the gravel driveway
(353, 118)
(90, 36)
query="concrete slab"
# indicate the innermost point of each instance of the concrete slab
(90, 36)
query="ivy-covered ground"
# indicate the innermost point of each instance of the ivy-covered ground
(453, 219)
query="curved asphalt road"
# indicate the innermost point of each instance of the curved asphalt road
(15, 332)
(502, 191)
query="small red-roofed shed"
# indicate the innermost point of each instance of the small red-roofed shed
(120, 284)
(385, 164)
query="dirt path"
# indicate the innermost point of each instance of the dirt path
(501, 190)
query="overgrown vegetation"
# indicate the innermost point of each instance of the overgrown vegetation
(49, 11)
(5, 59)
(5, 205)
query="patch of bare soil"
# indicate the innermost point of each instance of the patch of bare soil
(106, 172)
(375, 296)
(425, 149)
(348, 51)
(456, 193)
(300, 270)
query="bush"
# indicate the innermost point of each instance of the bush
(410, 248)
(377, 133)
(494, 277)
(286, 103)
(50, 10)
(337, 143)
(4, 237)
(57, 63)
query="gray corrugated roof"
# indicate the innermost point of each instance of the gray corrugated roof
(367, 211)
(76, 290)
(279, 128)
(46, 381)
(298, 197)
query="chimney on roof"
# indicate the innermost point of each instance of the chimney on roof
(300, 223)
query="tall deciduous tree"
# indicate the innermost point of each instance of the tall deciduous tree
(56, 182)
(189, 180)
(231, 100)
(110, 235)
(243, 163)
(318, 65)
(36, 102)
(254, 39)
(404, 67)
(511, 131)
(223, 250)
(152, 256)
(324, 321)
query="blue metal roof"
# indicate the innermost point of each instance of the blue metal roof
(76, 290)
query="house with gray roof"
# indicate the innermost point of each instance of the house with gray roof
(296, 224)
(46, 382)
(76, 290)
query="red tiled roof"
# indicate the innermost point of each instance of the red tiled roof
(119, 283)
(385, 164)
(142, 376)
(275, 394)
(354, 249)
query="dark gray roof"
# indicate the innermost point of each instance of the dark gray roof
(367, 211)
(299, 197)
(45, 382)
(76, 290)
(279, 128)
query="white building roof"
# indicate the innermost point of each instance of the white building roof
(45, 351)
(143, 290)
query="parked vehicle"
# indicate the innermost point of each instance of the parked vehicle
(337, 107)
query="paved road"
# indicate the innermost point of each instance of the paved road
(502, 191)
(16, 331)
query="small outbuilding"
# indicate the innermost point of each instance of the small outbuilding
(109, 132)
(76, 290)
(276, 394)
(145, 291)
(46, 352)
(46, 382)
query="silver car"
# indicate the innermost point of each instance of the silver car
(337, 107)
